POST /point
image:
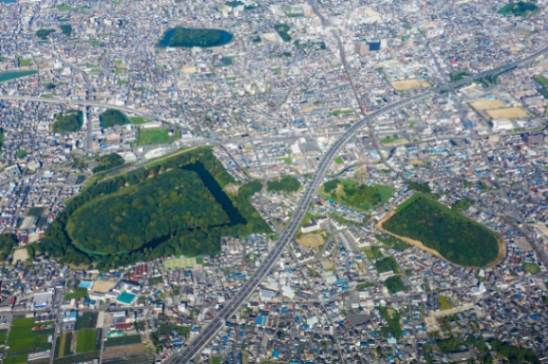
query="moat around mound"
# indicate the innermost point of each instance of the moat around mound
(194, 37)
(175, 206)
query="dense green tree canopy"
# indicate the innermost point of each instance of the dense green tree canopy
(284, 184)
(194, 37)
(457, 238)
(7, 243)
(361, 197)
(172, 206)
(107, 162)
(68, 121)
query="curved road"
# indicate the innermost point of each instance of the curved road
(53, 100)
(233, 305)
(247, 289)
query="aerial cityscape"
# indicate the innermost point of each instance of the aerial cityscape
(260, 181)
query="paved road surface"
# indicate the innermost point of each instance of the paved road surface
(200, 341)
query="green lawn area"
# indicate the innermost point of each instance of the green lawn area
(87, 320)
(457, 238)
(86, 340)
(352, 194)
(542, 83)
(123, 340)
(284, 184)
(167, 328)
(3, 336)
(23, 340)
(341, 112)
(63, 347)
(15, 359)
(152, 136)
(372, 252)
(137, 120)
(77, 293)
(445, 302)
(391, 242)
(394, 284)
(531, 268)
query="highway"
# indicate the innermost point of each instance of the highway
(200, 341)
(53, 100)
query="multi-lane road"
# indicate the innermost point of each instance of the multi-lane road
(290, 230)
(200, 341)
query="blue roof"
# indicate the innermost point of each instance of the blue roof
(375, 45)
(85, 284)
(260, 320)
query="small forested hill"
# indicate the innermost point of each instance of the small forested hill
(456, 237)
(176, 205)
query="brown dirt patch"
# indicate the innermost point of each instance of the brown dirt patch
(312, 240)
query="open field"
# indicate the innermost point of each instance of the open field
(507, 113)
(410, 84)
(131, 350)
(21, 254)
(486, 104)
(86, 340)
(154, 136)
(180, 262)
(312, 240)
(64, 345)
(23, 339)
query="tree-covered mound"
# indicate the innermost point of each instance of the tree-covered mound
(68, 121)
(361, 197)
(7, 243)
(519, 8)
(194, 37)
(456, 237)
(284, 184)
(171, 206)
(112, 117)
